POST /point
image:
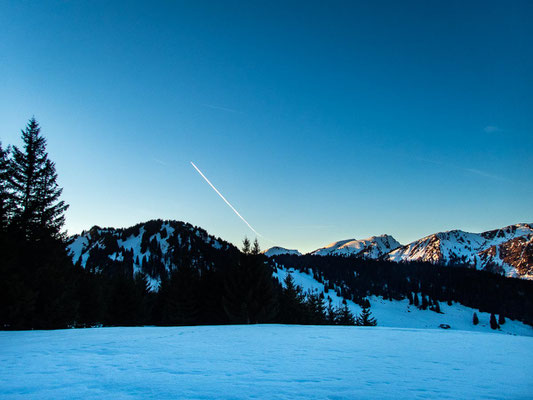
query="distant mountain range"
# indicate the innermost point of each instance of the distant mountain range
(507, 251)
(156, 246)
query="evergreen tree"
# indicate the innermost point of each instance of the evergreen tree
(425, 303)
(493, 322)
(331, 313)
(316, 310)
(475, 319)
(292, 303)
(501, 319)
(255, 248)
(345, 316)
(416, 302)
(37, 211)
(365, 318)
(246, 246)
(4, 193)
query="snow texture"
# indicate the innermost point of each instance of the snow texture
(263, 361)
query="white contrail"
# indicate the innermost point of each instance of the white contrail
(227, 202)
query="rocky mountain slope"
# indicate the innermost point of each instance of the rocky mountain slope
(373, 247)
(507, 251)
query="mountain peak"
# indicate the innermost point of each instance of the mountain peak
(373, 247)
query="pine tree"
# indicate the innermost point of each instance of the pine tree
(315, 309)
(345, 316)
(255, 248)
(246, 246)
(4, 193)
(331, 313)
(425, 303)
(501, 319)
(475, 319)
(292, 303)
(37, 211)
(365, 318)
(493, 322)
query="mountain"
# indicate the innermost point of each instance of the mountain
(371, 248)
(507, 251)
(276, 251)
(155, 247)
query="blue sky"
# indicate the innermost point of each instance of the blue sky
(319, 121)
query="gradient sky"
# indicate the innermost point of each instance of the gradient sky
(319, 121)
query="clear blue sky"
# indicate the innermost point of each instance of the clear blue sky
(319, 121)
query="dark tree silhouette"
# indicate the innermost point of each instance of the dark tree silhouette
(493, 322)
(37, 211)
(345, 316)
(365, 318)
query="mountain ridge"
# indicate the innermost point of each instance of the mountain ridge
(507, 251)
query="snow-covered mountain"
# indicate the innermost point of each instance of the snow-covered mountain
(155, 247)
(276, 251)
(508, 251)
(373, 247)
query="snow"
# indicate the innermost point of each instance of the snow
(372, 247)
(445, 247)
(263, 361)
(399, 314)
(77, 247)
(276, 251)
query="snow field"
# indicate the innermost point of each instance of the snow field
(264, 361)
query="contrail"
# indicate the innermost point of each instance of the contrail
(227, 202)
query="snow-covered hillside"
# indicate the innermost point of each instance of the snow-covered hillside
(373, 247)
(263, 362)
(154, 247)
(508, 251)
(276, 251)
(399, 314)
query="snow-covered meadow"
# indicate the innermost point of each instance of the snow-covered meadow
(264, 361)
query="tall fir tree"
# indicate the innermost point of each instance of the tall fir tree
(38, 212)
(38, 282)
(4, 192)
(345, 316)
(255, 248)
(292, 303)
(365, 318)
